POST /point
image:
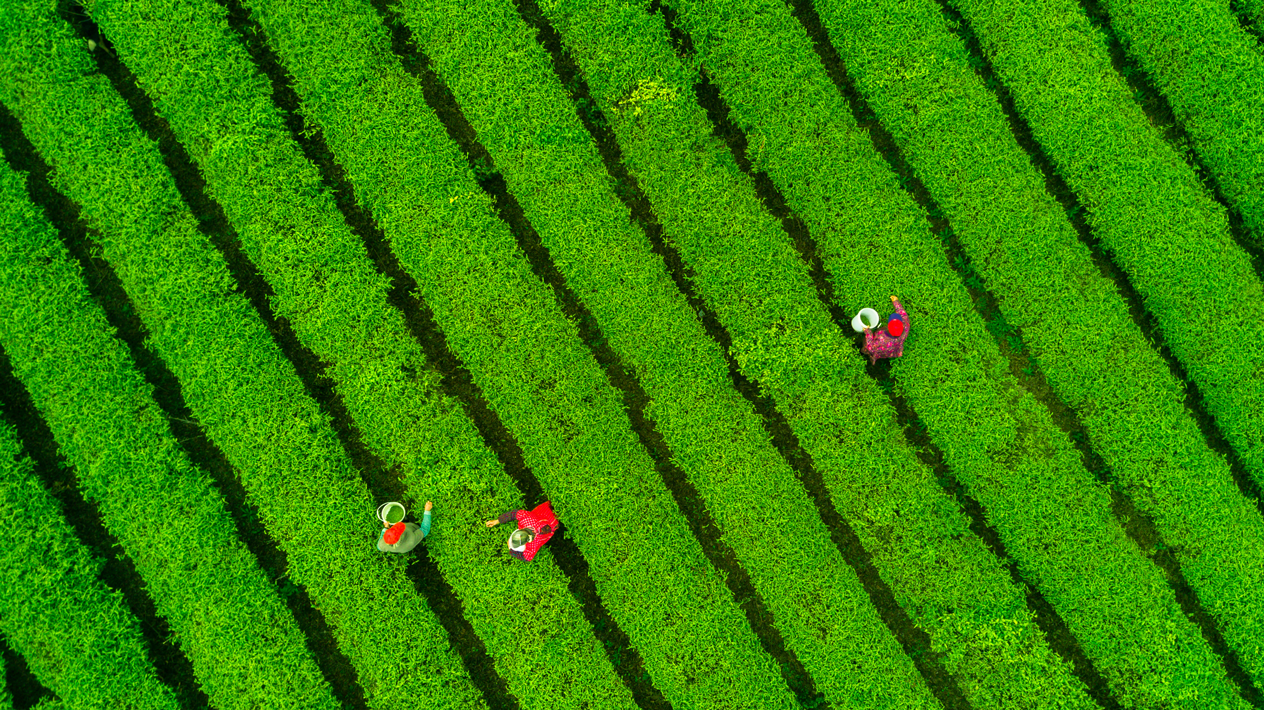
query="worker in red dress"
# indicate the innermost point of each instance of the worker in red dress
(535, 527)
(888, 342)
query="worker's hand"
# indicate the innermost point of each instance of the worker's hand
(894, 299)
(493, 523)
(866, 329)
(429, 505)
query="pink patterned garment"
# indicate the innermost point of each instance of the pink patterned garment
(881, 344)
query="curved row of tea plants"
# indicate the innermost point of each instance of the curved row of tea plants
(226, 616)
(76, 635)
(1149, 208)
(746, 268)
(1212, 72)
(211, 94)
(916, 76)
(1250, 12)
(233, 376)
(522, 115)
(523, 354)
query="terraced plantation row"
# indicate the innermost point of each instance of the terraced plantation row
(132, 469)
(235, 378)
(267, 264)
(86, 621)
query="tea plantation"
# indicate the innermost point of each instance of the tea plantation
(266, 265)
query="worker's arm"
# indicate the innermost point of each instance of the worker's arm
(900, 309)
(504, 518)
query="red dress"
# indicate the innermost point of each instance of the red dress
(540, 519)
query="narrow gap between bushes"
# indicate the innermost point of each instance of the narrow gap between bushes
(455, 378)
(1139, 526)
(1049, 621)
(59, 478)
(620, 376)
(23, 686)
(1242, 13)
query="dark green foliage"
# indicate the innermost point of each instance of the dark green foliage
(713, 434)
(1251, 13)
(745, 267)
(851, 236)
(1211, 70)
(79, 638)
(522, 352)
(1056, 521)
(1212, 73)
(1150, 210)
(226, 617)
(337, 303)
(236, 382)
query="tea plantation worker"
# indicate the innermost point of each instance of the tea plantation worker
(403, 537)
(888, 342)
(535, 527)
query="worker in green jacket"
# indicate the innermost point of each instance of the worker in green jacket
(403, 537)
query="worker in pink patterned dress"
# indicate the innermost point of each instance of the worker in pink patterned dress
(888, 342)
(535, 527)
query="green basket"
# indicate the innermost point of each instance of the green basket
(390, 513)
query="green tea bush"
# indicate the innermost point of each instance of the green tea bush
(523, 354)
(1149, 209)
(235, 379)
(515, 103)
(80, 641)
(1056, 520)
(226, 616)
(210, 93)
(744, 266)
(1211, 70)
(1212, 73)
